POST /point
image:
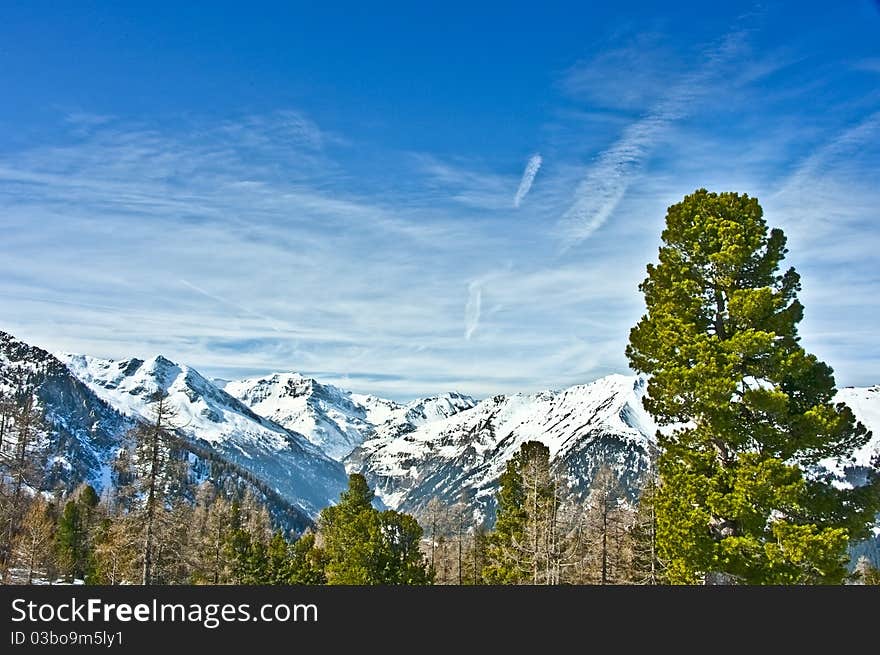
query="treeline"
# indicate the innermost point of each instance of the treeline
(543, 535)
(149, 529)
(152, 525)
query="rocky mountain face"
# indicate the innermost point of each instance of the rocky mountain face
(330, 418)
(865, 404)
(90, 405)
(85, 431)
(209, 417)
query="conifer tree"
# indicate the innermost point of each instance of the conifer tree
(720, 343)
(116, 548)
(175, 540)
(505, 565)
(22, 456)
(475, 556)
(306, 562)
(364, 546)
(74, 533)
(157, 469)
(71, 540)
(278, 560)
(214, 563)
(528, 543)
(435, 517)
(646, 566)
(605, 529)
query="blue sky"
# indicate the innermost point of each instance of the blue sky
(423, 197)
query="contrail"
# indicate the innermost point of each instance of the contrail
(606, 182)
(472, 309)
(224, 301)
(528, 177)
(864, 132)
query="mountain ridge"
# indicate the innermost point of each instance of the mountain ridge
(284, 459)
(448, 446)
(334, 419)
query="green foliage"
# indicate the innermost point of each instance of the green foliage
(70, 539)
(88, 497)
(523, 547)
(400, 559)
(364, 546)
(72, 543)
(503, 566)
(306, 562)
(721, 345)
(277, 562)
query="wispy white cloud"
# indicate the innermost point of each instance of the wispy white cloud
(628, 72)
(265, 242)
(827, 206)
(223, 250)
(229, 303)
(608, 179)
(284, 128)
(528, 178)
(472, 309)
(811, 167)
(465, 183)
(83, 122)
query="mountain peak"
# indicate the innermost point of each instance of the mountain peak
(334, 419)
(328, 416)
(211, 416)
(584, 426)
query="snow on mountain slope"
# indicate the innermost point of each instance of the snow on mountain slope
(329, 417)
(584, 427)
(865, 404)
(415, 414)
(378, 409)
(334, 419)
(285, 460)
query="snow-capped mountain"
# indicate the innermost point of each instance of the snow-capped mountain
(413, 415)
(85, 431)
(286, 433)
(333, 419)
(463, 455)
(328, 416)
(286, 461)
(584, 427)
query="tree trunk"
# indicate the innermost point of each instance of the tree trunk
(604, 539)
(535, 528)
(151, 496)
(459, 546)
(32, 561)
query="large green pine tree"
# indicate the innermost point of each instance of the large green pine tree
(740, 497)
